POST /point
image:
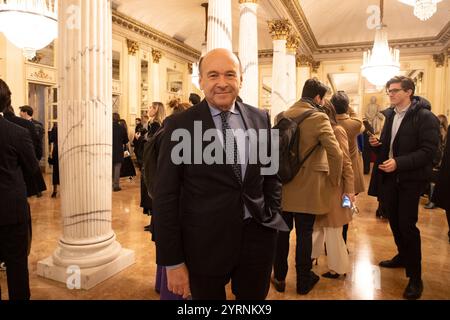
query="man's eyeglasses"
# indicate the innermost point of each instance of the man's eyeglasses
(393, 91)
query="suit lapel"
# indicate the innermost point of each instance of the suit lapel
(249, 125)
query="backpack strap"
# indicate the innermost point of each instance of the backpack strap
(299, 120)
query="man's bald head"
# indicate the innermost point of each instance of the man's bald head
(219, 53)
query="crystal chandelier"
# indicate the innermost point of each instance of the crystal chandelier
(423, 9)
(29, 24)
(382, 62)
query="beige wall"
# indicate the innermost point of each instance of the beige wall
(12, 71)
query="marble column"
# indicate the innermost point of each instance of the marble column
(293, 41)
(279, 30)
(248, 51)
(156, 54)
(133, 80)
(87, 252)
(303, 73)
(219, 25)
(440, 84)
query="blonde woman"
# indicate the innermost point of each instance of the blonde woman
(156, 114)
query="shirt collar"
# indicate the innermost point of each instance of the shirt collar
(402, 112)
(215, 112)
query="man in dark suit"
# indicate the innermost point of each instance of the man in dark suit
(120, 139)
(405, 150)
(16, 157)
(216, 222)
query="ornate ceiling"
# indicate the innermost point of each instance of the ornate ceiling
(328, 28)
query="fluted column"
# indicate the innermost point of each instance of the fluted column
(133, 85)
(155, 75)
(248, 51)
(219, 25)
(303, 73)
(279, 30)
(88, 243)
(292, 44)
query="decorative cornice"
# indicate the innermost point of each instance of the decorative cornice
(152, 34)
(292, 43)
(156, 54)
(133, 47)
(248, 1)
(268, 53)
(279, 29)
(311, 45)
(439, 59)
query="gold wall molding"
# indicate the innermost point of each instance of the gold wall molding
(41, 74)
(248, 1)
(163, 39)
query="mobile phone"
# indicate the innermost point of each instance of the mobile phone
(368, 128)
(346, 203)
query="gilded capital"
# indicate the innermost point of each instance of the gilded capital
(279, 29)
(307, 61)
(156, 55)
(248, 1)
(133, 47)
(293, 42)
(303, 61)
(439, 59)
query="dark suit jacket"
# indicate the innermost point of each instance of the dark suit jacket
(16, 157)
(414, 145)
(120, 137)
(199, 208)
(35, 183)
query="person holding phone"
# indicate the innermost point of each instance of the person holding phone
(328, 228)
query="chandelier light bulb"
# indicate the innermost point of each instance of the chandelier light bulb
(382, 62)
(29, 25)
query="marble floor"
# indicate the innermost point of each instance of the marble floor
(370, 241)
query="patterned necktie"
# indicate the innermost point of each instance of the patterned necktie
(231, 150)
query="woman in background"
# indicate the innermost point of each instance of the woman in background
(442, 189)
(328, 227)
(156, 114)
(437, 160)
(53, 160)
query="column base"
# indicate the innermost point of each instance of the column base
(85, 278)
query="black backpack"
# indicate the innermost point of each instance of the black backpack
(150, 160)
(290, 161)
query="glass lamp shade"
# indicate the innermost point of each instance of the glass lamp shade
(381, 63)
(28, 30)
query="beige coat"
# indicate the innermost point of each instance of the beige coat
(354, 127)
(308, 192)
(338, 216)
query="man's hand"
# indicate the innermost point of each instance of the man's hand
(374, 142)
(178, 281)
(389, 165)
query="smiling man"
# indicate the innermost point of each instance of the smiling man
(408, 141)
(215, 223)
